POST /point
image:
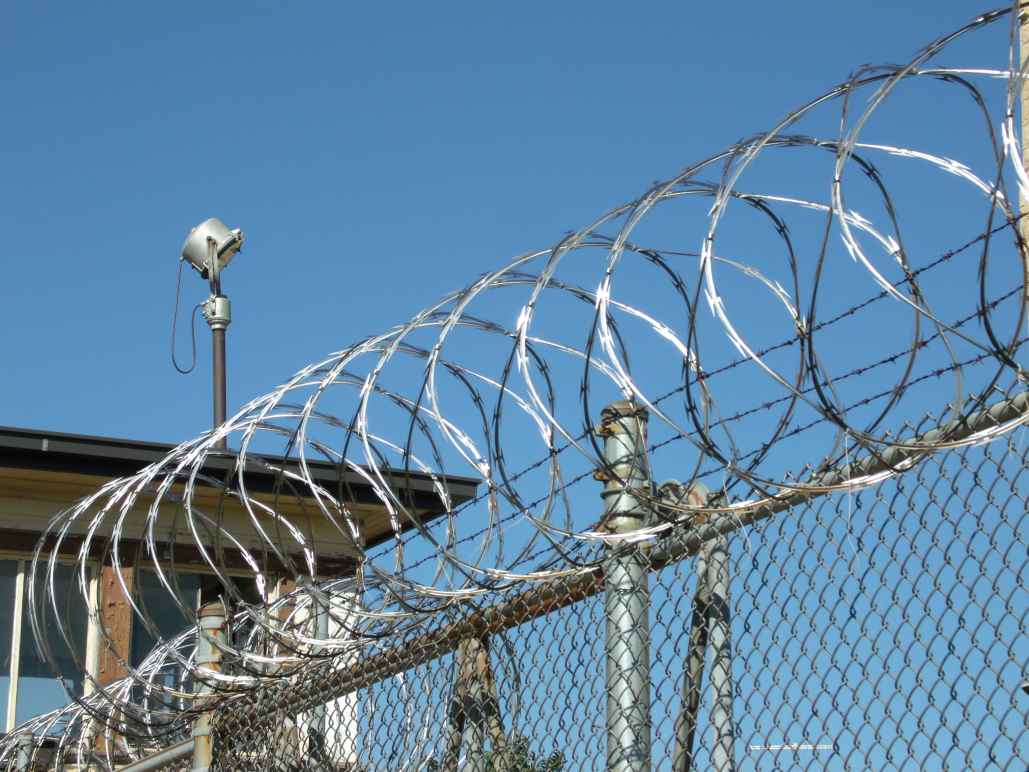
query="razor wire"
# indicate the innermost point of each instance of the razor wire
(735, 340)
(878, 628)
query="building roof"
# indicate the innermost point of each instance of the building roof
(43, 472)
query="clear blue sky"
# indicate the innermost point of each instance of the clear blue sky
(377, 156)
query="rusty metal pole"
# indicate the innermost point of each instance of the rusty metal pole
(211, 618)
(473, 738)
(473, 710)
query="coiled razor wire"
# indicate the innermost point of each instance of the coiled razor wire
(796, 322)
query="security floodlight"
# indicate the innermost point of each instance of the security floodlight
(212, 235)
(209, 248)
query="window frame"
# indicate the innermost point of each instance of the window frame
(24, 560)
(93, 639)
(198, 570)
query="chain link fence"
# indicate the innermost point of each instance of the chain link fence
(882, 629)
(405, 561)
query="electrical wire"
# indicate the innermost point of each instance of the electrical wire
(192, 327)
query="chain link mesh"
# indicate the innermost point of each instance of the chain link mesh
(882, 629)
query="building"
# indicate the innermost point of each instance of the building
(43, 473)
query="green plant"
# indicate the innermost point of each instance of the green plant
(518, 756)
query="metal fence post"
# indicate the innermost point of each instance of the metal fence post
(23, 761)
(211, 618)
(693, 675)
(722, 758)
(709, 630)
(473, 738)
(318, 731)
(474, 711)
(626, 600)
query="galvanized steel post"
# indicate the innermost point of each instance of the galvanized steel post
(211, 618)
(684, 757)
(709, 630)
(626, 601)
(719, 641)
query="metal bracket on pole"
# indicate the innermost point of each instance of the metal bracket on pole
(217, 311)
(211, 618)
(626, 600)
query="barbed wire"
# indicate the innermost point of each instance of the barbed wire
(946, 256)
(518, 363)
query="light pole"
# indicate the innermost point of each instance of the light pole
(209, 248)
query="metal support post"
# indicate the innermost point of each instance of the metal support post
(693, 677)
(491, 708)
(717, 558)
(218, 372)
(474, 711)
(456, 712)
(473, 705)
(626, 600)
(320, 715)
(211, 617)
(23, 761)
(709, 630)
(218, 313)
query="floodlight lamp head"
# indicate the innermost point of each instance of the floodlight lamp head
(226, 244)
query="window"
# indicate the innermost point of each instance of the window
(9, 570)
(193, 589)
(159, 606)
(28, 685)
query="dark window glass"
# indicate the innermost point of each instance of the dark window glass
(161, 609)
(39, 690)
(8, 578)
